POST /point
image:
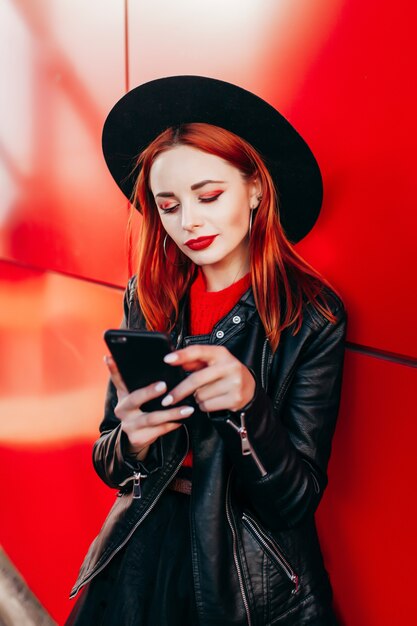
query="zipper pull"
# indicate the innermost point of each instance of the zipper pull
(137, 491)
(243, 434)
(244, 440)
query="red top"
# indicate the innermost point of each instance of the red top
(208, 307)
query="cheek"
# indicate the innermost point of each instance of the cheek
(231, 209)
(169, 226)
(238, 217)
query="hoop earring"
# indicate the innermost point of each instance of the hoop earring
(250, 222)
(164, 246)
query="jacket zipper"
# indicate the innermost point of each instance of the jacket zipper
(272, 548)
(146, 513)
(137, 491)
(247, 448)
(235, 554)
(137, 488)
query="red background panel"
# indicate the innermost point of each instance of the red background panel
(52, 383)
(367, 517)
(357, 103)
(52, 377)
(52, 508)
(63, 67)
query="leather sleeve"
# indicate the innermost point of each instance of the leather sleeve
(110, 458)
(291, 434)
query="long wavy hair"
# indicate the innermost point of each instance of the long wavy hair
(276, 268)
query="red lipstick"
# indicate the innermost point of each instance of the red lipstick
(200, 242)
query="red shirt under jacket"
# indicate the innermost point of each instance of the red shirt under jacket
(208, 307)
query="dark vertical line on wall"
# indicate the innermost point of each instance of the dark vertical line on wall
(127, 69)
(393, 357)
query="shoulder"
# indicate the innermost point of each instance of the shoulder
(328, 298)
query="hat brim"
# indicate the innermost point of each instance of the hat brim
(149, 109)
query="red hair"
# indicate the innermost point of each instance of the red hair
(276, 268)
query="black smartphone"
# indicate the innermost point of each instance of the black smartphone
(139, 358)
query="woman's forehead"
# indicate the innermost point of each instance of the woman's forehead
(191, 165)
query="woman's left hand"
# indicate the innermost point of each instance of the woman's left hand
(219, 380)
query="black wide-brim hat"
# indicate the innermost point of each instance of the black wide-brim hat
(145, 111)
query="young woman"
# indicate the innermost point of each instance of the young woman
(214, 523)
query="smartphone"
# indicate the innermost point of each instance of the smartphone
(139, 358)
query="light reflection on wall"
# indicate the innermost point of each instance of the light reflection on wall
(231, 40)
(52, 378)
(64, 68)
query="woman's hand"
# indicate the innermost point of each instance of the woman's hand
(142, 428)
(220, 382)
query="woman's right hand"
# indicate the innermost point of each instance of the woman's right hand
(142, 428)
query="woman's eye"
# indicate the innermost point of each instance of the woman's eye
(170, 209)
(210, 198)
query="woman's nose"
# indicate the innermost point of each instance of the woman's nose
(190, 216)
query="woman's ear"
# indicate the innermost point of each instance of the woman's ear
(255, 192)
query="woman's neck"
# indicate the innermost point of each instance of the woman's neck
(216, 280)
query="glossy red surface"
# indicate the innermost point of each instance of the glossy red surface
(52, 383)
(64, 69)
(361, 121)
(54, 506)
(52, 376)
(342, 72)
(367, 517)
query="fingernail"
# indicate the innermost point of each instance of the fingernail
(160, 386)
(167, 400)
(187, 411)
(171, 357)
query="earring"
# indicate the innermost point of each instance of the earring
(250, 221)
(256, 206)
(164, 246)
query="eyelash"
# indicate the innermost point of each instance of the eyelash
(203, 200)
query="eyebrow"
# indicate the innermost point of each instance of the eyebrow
(170, 194)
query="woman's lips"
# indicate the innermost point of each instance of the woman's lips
(201, 242)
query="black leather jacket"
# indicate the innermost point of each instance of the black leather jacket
(258, 474)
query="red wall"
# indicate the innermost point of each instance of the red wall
(343, 72)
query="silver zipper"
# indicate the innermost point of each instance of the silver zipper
(146, 513)
(136, 477)
(137, 491)
(247, 447)
(272, 548)
(235, 555)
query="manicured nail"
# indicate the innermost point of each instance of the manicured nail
(187, 411)
(167, 400)
(171, 357)
(161, 386)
